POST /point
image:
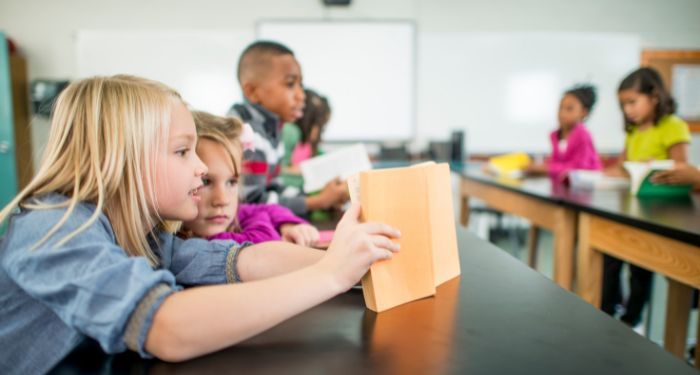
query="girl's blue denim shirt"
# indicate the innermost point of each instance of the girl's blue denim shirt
(53, 298)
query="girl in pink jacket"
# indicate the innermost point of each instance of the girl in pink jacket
(572, 145)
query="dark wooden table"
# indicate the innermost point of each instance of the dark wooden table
(535, 199)
(499, 317)
(660, 234)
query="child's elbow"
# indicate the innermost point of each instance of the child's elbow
(165, 342)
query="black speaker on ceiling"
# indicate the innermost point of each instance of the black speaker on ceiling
(336, 2)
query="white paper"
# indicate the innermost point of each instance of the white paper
(342, 163)
(587, 179)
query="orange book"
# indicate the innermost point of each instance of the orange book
(417, 201)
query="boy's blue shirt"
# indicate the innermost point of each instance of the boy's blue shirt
(53, 298)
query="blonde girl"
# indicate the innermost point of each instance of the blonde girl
(86, 253)
(220, 215)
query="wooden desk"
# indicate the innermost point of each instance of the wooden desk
(662, 235)
(499, 317)
(659, 234)
(535, 199)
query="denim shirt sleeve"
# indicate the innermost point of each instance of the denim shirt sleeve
(197, 261)
(89, 282)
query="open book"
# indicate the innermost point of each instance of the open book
(416, 200)
(640, 179)
(320, 170)
(511, 165)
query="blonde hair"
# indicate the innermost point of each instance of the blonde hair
(104, 133)
(225, 131)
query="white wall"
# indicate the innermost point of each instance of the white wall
(45, 30)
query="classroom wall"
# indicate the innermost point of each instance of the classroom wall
(45, 30)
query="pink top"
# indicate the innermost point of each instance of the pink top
(579, 153)
(259, 223)
(301, 152)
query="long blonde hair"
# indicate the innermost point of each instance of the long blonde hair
(104, 135)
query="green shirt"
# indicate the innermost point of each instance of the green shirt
(291, 136)
(653, 143)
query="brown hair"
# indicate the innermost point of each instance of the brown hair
(649, 82)
(317, 112)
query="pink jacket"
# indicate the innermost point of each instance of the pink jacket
(580, 153)
(259, 223)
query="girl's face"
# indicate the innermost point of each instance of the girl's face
(178, 170)
(637, 107)
(571, 112)
(219, 195)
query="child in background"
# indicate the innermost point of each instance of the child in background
(220, 216)
(301, 139)
(572, 145)
(270, 78)
(653, 133)
(86, 254)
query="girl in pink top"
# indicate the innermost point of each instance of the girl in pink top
(219, 215)
(572, 145)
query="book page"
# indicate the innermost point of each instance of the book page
(320, 170)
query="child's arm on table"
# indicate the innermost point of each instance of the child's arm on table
(202, 320)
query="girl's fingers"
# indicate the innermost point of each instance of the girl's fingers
(381, 254)
(351, 215)
(385, 243)
(297, 237)
(382, 229)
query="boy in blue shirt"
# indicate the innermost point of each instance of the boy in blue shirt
(271, 81)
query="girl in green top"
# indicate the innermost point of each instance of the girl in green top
(653, 133)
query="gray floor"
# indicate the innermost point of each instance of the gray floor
(513, 242)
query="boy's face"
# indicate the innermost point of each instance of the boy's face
(279, 89)
(178, 170)
(219, 195)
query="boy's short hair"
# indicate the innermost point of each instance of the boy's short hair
(255, 59)
(222, 130)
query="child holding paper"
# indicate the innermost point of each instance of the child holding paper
(653, 133)
(270, 77)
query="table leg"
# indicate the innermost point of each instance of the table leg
(464, 210)
(677, 314)
(533, 237)
(564, 239)
(589, 282)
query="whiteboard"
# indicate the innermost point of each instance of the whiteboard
(504, 88)
(200, 65)
(366, 69)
